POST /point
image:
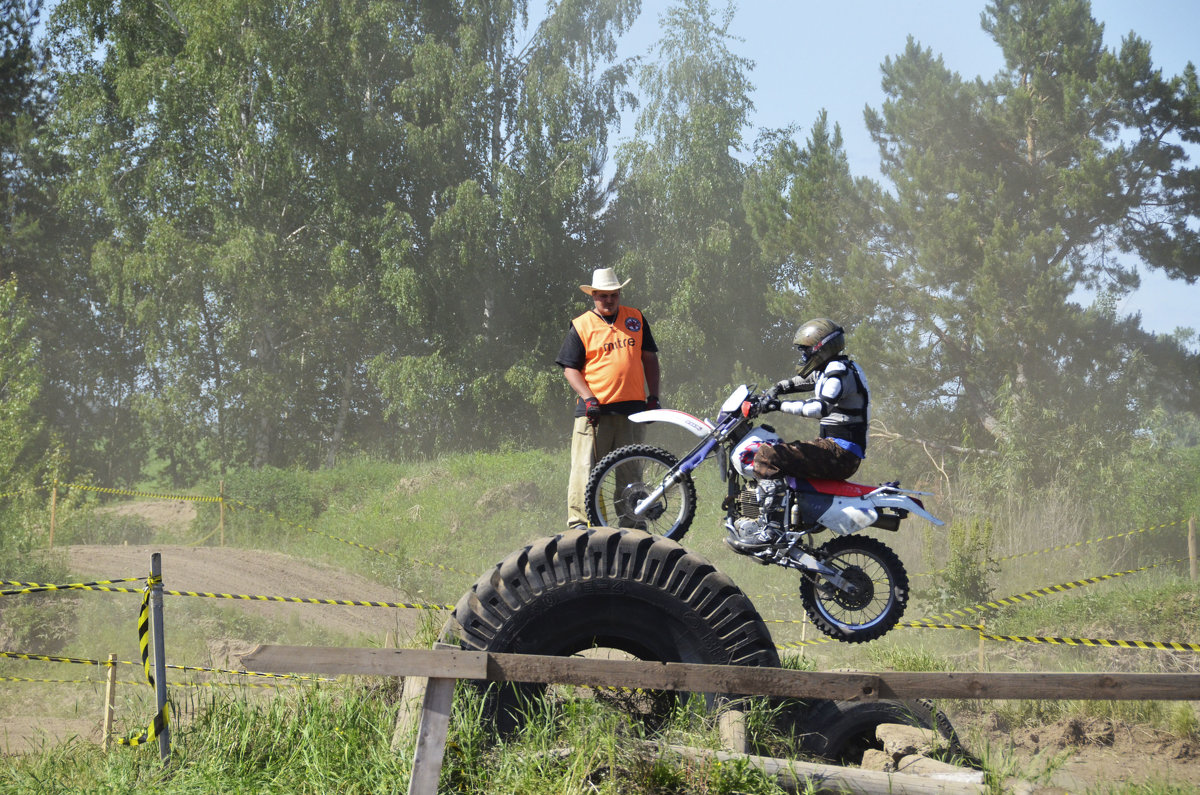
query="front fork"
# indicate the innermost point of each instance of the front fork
(678, 473)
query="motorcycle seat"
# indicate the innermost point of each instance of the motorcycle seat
(836, 488)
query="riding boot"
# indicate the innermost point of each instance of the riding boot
(753, 535)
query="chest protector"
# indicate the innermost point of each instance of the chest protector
(613, 364)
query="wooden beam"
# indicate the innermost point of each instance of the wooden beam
(694, 678)
(1041, 685)
(336, 660)
(685, 677)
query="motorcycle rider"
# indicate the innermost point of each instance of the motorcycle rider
(840, 401)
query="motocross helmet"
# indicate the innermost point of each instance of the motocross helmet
(818, 341)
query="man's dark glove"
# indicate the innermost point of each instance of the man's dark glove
(652, 402)
(778, 388)
(592, 410)
(768, 404)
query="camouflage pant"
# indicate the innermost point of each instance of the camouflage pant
(819, 458)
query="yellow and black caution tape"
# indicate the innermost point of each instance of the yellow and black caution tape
(134, 682)
(34, 587)
(61, 681)
(311, 600)
(37, 587)
(17, 655)
(796, 644)
(145, 494)
(347, 541)
(928, 625)
(1096, 642)
(1031, 595)
(19, 492)
(1063, 547)
(151, 732)
(83, 661)
(161, 719)
(296, 677)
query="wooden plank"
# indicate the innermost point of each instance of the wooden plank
(431, 739)
(742, 680)
(334, 660)
(1041, 685)
(842, 686)
(687, 677)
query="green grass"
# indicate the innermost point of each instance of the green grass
(338, 739)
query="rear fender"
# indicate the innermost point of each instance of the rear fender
(846, 515)
(901, 502)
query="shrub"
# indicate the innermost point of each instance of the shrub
(104, 527)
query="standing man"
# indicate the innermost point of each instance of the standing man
(609, 358)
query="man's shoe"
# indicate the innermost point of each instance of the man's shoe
(753, 535)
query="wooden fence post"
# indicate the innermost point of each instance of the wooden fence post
(1192, 546)
(221, 505)
(110, 700)
(431, 737)
(53, 509)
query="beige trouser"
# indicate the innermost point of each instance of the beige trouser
(588, 445)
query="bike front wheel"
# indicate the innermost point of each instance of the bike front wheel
(875, 599)
(626, 477)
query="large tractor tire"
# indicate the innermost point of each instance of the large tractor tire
(608, 588)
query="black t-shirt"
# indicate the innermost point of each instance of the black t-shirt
(572, 355)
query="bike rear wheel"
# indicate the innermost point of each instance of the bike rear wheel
(880, 590)
(628, 475)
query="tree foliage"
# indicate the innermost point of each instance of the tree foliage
(252, 235)
(1011, 195)
(678, 223)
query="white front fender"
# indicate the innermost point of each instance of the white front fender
(684, 420)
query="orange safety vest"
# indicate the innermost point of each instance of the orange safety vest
(613, 364)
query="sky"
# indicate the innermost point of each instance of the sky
(814, 54)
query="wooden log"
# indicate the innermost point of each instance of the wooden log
(796, 776)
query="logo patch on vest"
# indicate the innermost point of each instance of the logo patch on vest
(633, 324)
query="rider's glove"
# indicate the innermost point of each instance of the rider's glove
(777, 388)
(768, 404)
(652, 402)
(592, 410)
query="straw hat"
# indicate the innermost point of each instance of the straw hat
(605, 280)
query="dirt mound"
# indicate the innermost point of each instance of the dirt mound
(1078, 754)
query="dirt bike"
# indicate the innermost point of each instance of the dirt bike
(853, 587)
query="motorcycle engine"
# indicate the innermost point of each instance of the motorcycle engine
(747, 502)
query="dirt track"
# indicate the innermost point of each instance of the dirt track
(257, 573)
(223, 571)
